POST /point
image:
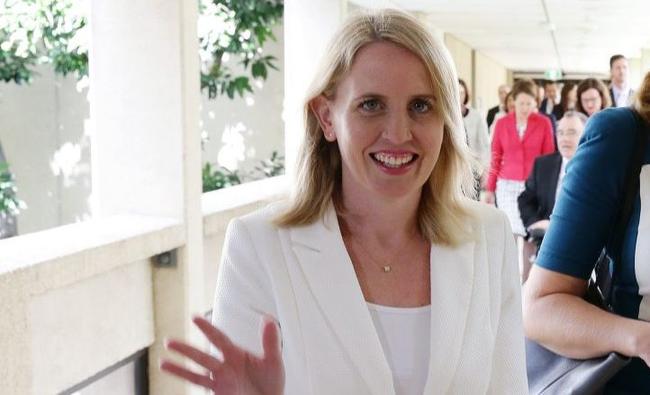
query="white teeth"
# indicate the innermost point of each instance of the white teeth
(392, 160)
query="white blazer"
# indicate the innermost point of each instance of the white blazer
(304, 277)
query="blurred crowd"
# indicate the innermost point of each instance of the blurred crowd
(527, 140)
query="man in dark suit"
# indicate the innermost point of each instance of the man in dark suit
(536, 202)
(503, 91)
(544, 182)
(550, 97)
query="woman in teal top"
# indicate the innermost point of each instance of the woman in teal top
(581, 223)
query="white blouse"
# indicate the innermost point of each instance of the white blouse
(404, 333)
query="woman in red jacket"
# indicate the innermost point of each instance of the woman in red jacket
(518, 139)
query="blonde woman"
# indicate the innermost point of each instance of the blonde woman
(379, 276)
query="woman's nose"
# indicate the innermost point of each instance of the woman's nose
(398, 128)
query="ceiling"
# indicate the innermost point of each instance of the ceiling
(575, 36)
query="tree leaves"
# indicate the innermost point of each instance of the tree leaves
(218, 178)
(221, 177)
(34, 32)
(9, 203)
(252, 22)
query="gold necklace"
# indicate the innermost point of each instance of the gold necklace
(386, 268)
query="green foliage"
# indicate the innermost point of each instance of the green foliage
(9, 203)
(243, 27)
(220, 177)
(34, 32)
(271, 167)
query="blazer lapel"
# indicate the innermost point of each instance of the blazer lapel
(452, 282)
(328, 269)
(531, 124)
(553, 179)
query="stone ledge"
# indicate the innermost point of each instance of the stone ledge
(56, 257)
(224, 204)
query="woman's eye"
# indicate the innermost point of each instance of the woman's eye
(370, 105)
(421, 106)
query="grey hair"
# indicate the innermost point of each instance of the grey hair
(575, 114)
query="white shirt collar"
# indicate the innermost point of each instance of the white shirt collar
(617, 91)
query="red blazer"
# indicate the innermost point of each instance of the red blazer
(512, 158)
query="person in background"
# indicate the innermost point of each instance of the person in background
(518, 139)
(541, 94)
(501, 107)
(477, 135)
(510, 107)
(377, 275)
(550, 97)
(568, 99)
(592, 96)
(536, 202)
(582, 223)
(621, 94)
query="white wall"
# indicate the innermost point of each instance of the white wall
(42, 134)
(489, 75)
(462, 55)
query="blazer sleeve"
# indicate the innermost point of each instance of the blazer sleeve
(527, 201)
(508, 374)
(243, 290)
(497, 155)
(490, 115)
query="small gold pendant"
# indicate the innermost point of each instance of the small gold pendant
(387, 268)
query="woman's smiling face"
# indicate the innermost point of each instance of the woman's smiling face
(384, 119)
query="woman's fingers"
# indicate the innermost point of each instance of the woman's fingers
(216, 337)
(204, 359)
(178, 370)
(271, 340)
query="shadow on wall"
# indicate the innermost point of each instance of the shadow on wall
(237, 134)
(43, 129)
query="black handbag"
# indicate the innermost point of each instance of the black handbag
(550, 373)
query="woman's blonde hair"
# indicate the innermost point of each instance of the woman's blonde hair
(442, 212)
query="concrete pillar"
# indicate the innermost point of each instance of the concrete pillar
(308, 27)
(146, 149)
(645, 63)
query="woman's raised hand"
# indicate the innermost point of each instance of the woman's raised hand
(240, 372)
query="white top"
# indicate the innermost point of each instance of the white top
(623, 97)
(404, 333)
(521, 129)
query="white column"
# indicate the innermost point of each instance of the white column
(308, 27)
(146, 150)
(645, 63)
(635, 72)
